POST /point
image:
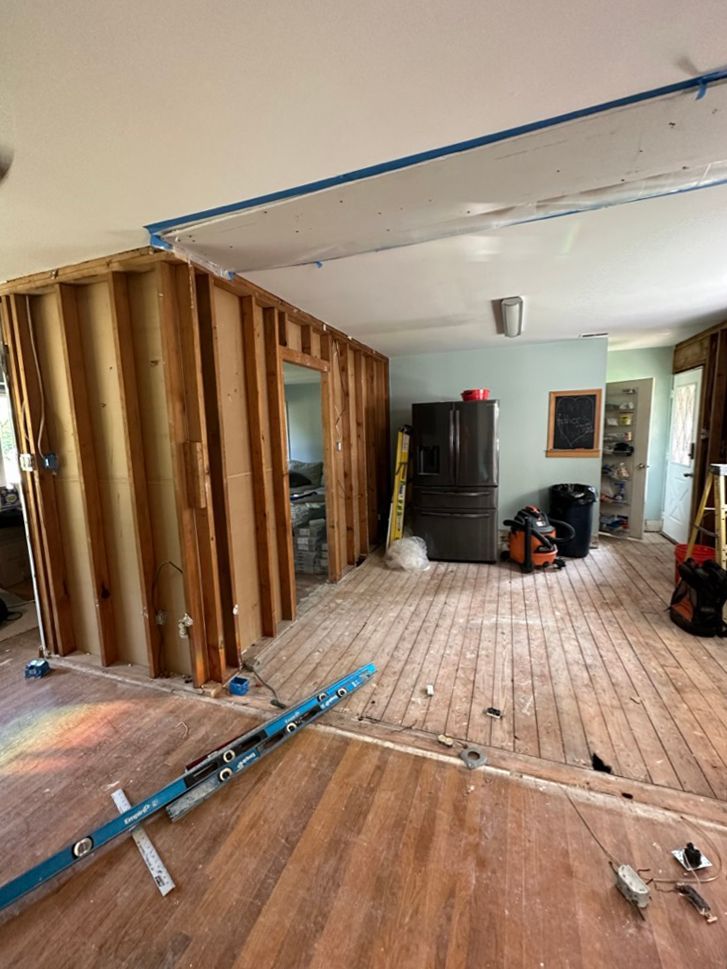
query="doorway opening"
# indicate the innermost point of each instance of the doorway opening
(306, 477)
(18, 612)
(685, 408)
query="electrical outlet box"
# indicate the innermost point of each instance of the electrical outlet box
(50, 462)
(26, 461)
(633, 888)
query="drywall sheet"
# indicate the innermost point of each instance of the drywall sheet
(639, 150)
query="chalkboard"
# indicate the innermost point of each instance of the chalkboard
(574, 424)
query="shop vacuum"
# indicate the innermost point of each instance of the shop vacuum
(532, 539)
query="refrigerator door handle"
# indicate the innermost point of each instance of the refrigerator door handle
(459, 494)
(451, 441)
(456, 444)
(457, 514)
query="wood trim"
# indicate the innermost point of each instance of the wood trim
(279, 449)
(252, 337)
(133, 442)
(289, 355)
(186, 516)
(88, 470)
(551, 452)
(207, 322)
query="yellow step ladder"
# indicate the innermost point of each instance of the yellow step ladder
(714, 484)
(398, 497)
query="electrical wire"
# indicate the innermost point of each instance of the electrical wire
(613, 861)
(41, 425)
(252, 668)
(155, 609)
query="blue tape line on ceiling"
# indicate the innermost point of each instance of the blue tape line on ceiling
(407, 161)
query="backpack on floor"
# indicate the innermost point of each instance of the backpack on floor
(699, 599)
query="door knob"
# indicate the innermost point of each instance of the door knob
(688, 474)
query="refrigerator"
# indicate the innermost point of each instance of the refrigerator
(455, 479)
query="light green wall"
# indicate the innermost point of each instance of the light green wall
(520, 376)
(305, 424)
(656, 363)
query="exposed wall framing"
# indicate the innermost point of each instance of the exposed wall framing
(160, 389)
(709, 351)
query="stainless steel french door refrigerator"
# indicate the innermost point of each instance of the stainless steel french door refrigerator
(456, 467)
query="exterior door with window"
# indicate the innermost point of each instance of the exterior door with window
(686, 396)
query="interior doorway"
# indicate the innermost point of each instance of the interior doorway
(686, 397)
(307, 477)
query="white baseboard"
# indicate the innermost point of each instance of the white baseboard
(653, 525)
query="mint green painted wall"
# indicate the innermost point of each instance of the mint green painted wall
(305, 423)
(520, 376)
(656, 363)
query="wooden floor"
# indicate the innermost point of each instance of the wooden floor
(579, 662)
(331, 853)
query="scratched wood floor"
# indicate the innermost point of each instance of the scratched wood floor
(579, 661)
(331, 853)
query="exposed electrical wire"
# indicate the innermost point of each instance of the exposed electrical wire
(614, 862)
(41, 425)
(155, 609)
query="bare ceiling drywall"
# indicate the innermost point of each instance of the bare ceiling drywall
(124, 114)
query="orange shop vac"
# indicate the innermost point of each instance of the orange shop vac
(533, 539)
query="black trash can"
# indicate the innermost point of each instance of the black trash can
(573, 504)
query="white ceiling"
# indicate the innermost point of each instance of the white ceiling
(125, 114)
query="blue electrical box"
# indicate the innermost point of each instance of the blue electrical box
(36, 669)
(238, 685)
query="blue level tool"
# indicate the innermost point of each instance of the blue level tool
(219, 766)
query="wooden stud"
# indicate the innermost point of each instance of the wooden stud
(371, 452)
(282, 328)
(133, 442)
(186, 514)
(305, 338)
(329, 463)
(255, 388)
(49, 538)
(29, 483)
(88, 470)
(204, 285)
(279, 449)
(347, 441)
(360, 444)
(199, 488)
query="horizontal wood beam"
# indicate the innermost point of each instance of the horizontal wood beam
(289, 355)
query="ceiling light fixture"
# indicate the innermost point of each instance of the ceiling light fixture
(512, 316)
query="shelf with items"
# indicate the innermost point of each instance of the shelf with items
(620, 419)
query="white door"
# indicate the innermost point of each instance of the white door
(686, 396)
(627, 427)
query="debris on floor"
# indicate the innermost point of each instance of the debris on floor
(473, 757)
(429, 689)
(445, 740)
(494, 712)
(36, 669)
(694, 898)
(600, 765)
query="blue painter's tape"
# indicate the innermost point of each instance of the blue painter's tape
(407, 161)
